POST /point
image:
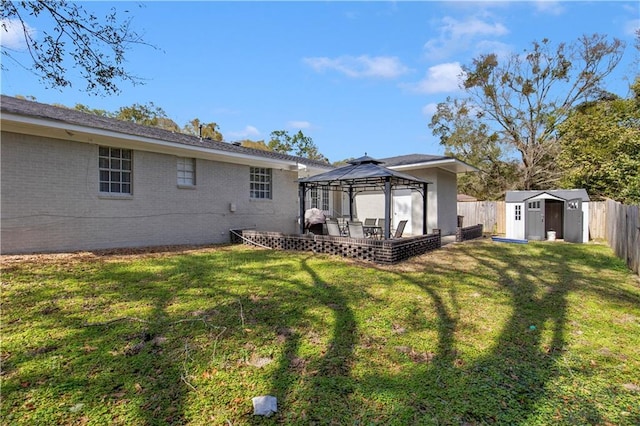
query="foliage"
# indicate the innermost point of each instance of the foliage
(341, 163)
(298, 144)
(79, 41)
(475, 333)
(146, 115)
(601, 148)
(526, 96)
(205, 130)
(470, 140)
(248, 143)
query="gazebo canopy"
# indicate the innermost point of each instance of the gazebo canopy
(364, 174)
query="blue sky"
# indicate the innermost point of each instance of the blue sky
(355, 76)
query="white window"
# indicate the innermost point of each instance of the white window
(186, 171)
(114, 165)
(319, 198)
(260, 183)
(534, 205)
(518, 212)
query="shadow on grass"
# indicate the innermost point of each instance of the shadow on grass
(127, 365)
(130, 371)
(504, 385)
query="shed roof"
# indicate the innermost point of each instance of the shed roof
(565, 194)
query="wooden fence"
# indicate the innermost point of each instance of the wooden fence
(490, 214)
(614, 222)
(622, 232)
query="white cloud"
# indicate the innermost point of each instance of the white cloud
(360, 66)
(456, 35)
(549, 7)
(630, 27)
(429, 109)
(503, 50)
(12, 34)
(246, 133)
(441, 78)
(299, 124)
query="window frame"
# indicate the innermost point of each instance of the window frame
(115, 171)
(260, 183)
(319, 197)
(186, 172)
(518, 212)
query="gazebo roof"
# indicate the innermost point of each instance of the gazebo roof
(364, 173)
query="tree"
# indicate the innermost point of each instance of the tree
(146, 115)
(526, 97)
(204, 130)
(79, 40)
(248, 143)
(601, 148)
(298, 144)
(86, 109)
(470, 140)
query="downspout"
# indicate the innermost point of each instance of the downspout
(301, 191)
(387, 207)
(424, 208)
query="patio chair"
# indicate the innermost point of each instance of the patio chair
(400, 229)
(370, 227)
(356, 229)
(380, 226)
(333, 229)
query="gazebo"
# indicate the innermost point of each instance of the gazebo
(360, 175)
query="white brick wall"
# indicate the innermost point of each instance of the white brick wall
(50, 200)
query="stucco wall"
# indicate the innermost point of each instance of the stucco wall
(50, 200)
(442, 204)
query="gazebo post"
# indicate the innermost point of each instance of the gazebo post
(387, 207)
(301, 191)
(350, 202)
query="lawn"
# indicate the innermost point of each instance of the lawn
(474, 333)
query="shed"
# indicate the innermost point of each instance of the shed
(548, 214)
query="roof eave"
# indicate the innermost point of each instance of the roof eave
(18, 123)
(450, 164)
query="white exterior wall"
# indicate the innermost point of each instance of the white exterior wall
(51, 200)
(442, 203)
(367, 205)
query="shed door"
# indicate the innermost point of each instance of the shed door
(573, 221)
(535, 220)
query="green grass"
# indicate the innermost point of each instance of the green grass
(475, 333)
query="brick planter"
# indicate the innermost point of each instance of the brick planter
(468, 233)
(378, 251)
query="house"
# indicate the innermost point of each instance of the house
(76, 181)
(548, 214)
(407, 204)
